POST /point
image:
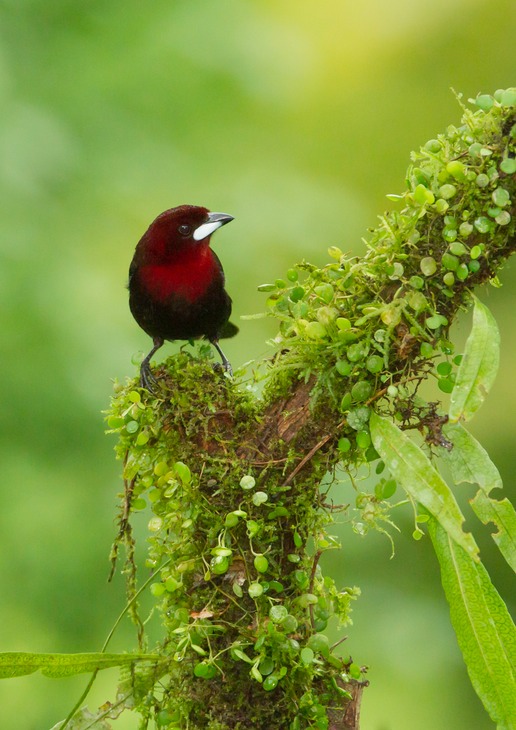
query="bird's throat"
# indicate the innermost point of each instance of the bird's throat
(188, 275)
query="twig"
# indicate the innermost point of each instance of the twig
(307, 458)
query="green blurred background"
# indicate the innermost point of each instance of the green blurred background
(297, 118)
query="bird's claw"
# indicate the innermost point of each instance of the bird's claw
(226, 365)
(147, 378)
(220, 368)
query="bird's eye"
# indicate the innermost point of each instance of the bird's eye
(184, 230)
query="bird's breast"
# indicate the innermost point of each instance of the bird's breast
(188, 277)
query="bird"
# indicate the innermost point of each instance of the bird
(176, 283)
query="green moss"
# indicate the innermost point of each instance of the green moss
(230, 538)
(235, 535)
(444, 219)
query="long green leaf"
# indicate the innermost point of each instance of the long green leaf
(468, 460)
(502, 514)
(479, 365)
(485, 631)
(414, 471)
(19, 663)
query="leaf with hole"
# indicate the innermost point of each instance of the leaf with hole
(503, 515)
(468, 460)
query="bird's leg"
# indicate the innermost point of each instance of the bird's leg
(147, 379)
(225, 362)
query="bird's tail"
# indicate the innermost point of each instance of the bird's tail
(229, 330)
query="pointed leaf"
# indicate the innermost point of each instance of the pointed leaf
(468, 460)
(485, 631)
(414, 471)
(502, 514)
(479, 365)
(19, 663)
(242, 655)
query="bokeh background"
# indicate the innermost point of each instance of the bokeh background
(297, 118)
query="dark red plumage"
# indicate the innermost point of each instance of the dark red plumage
(176, 282)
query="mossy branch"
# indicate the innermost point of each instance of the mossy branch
(232, 480)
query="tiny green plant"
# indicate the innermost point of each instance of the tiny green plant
(233, 487)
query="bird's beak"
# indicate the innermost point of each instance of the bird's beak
(215, 220)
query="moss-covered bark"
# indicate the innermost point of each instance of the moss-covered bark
(232, 481)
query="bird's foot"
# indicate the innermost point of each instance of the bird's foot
(223, 368)
(226, 365)
(147, 378)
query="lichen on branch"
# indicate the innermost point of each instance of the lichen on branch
(230, 483)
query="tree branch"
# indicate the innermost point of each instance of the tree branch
(233, 481)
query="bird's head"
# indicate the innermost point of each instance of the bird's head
(181, 228)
